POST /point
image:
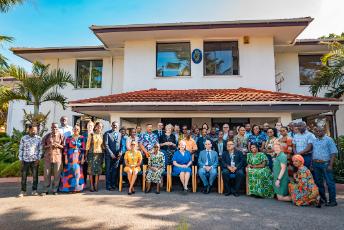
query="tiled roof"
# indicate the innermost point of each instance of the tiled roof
(203, 95)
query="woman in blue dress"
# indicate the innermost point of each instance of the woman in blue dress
(182, 161)
(72, 179)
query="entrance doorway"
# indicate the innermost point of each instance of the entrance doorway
(177, 121)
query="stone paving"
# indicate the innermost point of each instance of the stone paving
(115, 210)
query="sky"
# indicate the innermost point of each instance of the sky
(47, 23)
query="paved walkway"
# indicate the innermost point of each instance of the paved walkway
(114, 210)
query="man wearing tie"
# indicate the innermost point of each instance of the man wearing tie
(207, 163)
(160, 131)
(232, 169)
(112, 140)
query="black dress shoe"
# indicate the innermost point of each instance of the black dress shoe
(236, 194)
(331, 204)
(204, 190)
(129, 193)
(227, 193)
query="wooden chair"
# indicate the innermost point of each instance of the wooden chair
(246, 170)
(170, 175)
(122, 173)
(219, 179)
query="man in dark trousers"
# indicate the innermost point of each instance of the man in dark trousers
(232, 169)
(112, 140)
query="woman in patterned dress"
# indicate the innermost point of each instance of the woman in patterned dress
(303, 190)
(132, 160)
(72, 179)
(287, 147)
(156, 164)
(257, 138)
(95, 155)
(268, 147)
(168, 143)
(240, 141)
(259, 175)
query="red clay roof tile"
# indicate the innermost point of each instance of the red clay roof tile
(203, 95)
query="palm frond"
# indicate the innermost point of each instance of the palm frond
(17, 72)
(3, 63)
(39, 69)
(10, 95)
(55, 97)
(4, 38)
(5, 5)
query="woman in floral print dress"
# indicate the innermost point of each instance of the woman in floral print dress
(259, 175)
(303, 191)
(156, 164)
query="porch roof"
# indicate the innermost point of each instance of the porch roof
(203, 96)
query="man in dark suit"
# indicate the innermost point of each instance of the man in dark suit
(112, 140)
(160, 131)
(232, 169)
(220, 145)
(201, 144)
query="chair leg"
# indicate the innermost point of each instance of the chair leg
(169, 178)
(247, 193)
(195, 178)
(120, 178)
(144, 177)
(221, 184)
(218, 180)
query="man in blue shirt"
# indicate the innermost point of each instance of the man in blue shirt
(324, 154)
(302, 143)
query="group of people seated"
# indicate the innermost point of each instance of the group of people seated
(276, 161)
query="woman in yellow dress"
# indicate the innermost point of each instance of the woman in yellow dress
(132, 159)
(95, 155)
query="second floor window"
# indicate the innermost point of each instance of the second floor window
(173, 59)
(308, 66)
(89, 74)
(221, 58)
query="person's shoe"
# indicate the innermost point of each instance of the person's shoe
(44, 193)
(331, 204)
(34, 193)
(208, 190)
(21, 194)
(55, 193)
(129, 193)
(236, 194)
(227, 193)
(110, 189)
(204, 190)
(157, 192)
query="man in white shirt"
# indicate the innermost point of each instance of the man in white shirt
(65, 129)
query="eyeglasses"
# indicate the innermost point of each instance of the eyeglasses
(156, 147)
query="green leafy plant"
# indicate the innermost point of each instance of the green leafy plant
(9, 147)
(183, 225)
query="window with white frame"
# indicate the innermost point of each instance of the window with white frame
(221, 58)
(173, 59)
(89, 74)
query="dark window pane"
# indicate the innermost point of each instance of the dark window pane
(89, 74)
(173, 59)
(308, 65)
(96, 74)
(221, 58)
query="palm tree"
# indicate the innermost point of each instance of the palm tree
(36, 88)
(5, 5)
(331, 74)
(3, 59)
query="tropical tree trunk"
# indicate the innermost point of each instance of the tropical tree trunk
(36, 109)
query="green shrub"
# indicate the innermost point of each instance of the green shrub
(12, 170)
(3, 165)
(9, 147)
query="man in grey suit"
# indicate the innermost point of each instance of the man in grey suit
(207, 163)
(112, 140)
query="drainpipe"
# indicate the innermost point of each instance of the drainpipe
(112, 60)
(335, 130)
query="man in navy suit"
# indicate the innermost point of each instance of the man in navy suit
(160, 131)
(112, 140)
(232, 169)
(207, 162)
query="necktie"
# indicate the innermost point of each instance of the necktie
(208, 157)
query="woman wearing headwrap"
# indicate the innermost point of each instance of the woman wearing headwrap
(303, 190)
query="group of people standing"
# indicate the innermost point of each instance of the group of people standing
(277, 161)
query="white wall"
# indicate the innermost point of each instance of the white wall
(288, 63)
(111, 67)
(256, 66)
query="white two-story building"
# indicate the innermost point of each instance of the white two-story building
(190, 73)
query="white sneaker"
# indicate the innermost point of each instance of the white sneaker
(34, 193)
(21, 194)
(43, 194)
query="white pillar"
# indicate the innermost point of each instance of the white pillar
(116, 118)
(285, 118)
